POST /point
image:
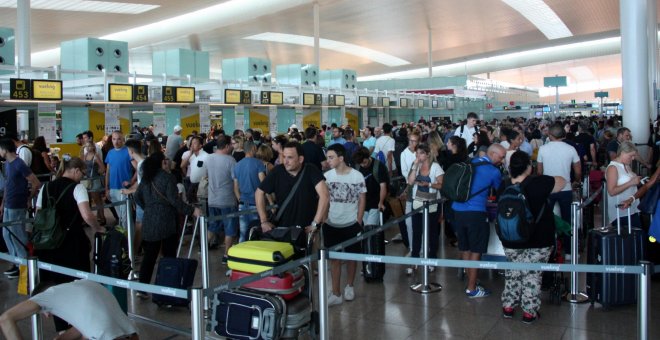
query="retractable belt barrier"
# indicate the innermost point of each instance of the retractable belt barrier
(238, 213)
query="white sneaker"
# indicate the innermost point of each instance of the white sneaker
(349, 293)
(334, 300)
(410, 271)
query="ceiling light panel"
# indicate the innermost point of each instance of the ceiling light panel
(84, 6)
(333, 45)
(542, 16)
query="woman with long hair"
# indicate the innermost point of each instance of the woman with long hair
(43, 163)
(95, 168)
(158, 195)
(278, 145)
(456, 153)
(622, 184)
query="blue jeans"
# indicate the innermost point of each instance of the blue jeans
(244, 220)
(564, 198)
(228, 225)
(116, 196)
(14, 246)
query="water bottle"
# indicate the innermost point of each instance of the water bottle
(114, 266)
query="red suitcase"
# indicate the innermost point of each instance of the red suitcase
(288, 285)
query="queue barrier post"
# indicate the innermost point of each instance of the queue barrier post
(425, 286)
(644, 299)
(197, 313)
(33, 281)
(130, 230)
(603, 204)
(204, 250)
(324, 331)
(576, 221)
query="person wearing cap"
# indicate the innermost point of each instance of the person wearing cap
(174, 142)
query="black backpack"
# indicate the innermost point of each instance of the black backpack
(515, 222)
(113, 242)
(457, 183)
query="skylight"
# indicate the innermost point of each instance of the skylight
(542, 16)
(337, 46)
(84, 6)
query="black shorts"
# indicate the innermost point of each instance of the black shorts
(333, 236)
(472, 231)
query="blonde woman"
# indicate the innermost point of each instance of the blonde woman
(622, 185)
(94, 170)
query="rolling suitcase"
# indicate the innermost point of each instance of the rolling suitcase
(246, 314)
(258, 256)
(374, 245)
(288, 284)
(298, 317)
(176, 273)
(120, 294)
(614, 247)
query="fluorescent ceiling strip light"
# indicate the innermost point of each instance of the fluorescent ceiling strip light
(83, 6)
(474, 63)
(541, 16)
(333, 45)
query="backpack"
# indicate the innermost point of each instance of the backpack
(350, 148)
(374, 171)
(48, 232)
(114, 243)
(381, 156)
(457, 183)
(515, 222)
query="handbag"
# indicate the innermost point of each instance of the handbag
(421, 197)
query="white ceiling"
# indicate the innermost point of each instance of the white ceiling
(461, 30)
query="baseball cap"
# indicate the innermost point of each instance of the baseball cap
(178, 128)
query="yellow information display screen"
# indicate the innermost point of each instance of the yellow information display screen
(364, 101)
(120, 92)
(47, 89)
(232, 96)
(308, 98)
(340, 100)
(185, 94)
(276, 98)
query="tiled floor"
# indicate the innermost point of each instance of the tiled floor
(390, 310)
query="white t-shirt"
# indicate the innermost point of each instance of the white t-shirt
(466, 134)
(79, 194)
(436, 170)
(559, 158)
(87, 306)
(505, 144)
(187, 155)
(139, 172)
(345, 193)
(407, 159)
(24, 153)
(385, 144)
(195, 171)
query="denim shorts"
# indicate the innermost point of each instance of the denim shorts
(227, 225)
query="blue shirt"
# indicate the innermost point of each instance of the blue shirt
(246, 173)
(485, 176)
(120, 167)
(16, 187)
(526, 147)
(339, 140)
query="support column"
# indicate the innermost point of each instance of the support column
(634, 60)
(652, 34)
(430, 53)
(317, 32)
(23, 33)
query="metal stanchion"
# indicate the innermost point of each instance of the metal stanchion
(204, 250)
(603, 204)
(426, 286)
(197, 313)
(33, 281)
(324, 331)
(130, 230)
(576, 220)
(643, 300)
(183, 232)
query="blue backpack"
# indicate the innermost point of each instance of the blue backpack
(515, 222)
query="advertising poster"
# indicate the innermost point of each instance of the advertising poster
(352, 119)
(204, 118)
(97, 124)
(159, 119)
(189, 123)
(47, 122)
(272, 117)
(312, 118)
(259, 120)
(112, 118)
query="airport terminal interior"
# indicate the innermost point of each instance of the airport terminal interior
(69, 66)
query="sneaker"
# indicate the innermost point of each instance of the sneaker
(142, 295)
(529, 318)
(224, 259)
(349, 293)
(477, 293)
(14, 275)
(334, 300)
(507, 312)
(11, 269)
(410, 271)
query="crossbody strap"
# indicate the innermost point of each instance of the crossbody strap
(545, 203)
(280, 210)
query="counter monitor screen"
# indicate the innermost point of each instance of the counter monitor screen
(420, 103)
(308, 98)
(434, 103)
(232, 96)
(276, 98)
(385, 101)
(403, 102)
(185, 94)
(363, 101)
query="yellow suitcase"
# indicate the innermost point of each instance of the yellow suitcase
(258, 256)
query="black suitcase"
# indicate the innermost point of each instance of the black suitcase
(614, 246)
(247, 314)
(298, 317)
(374, 245)
(176, 273)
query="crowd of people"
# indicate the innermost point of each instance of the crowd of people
(325, 178)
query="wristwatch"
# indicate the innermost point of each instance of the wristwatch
(314, 224)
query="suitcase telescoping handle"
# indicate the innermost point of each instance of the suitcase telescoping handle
(618, 220)
(380, 216)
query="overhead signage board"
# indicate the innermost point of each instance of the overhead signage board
(46, 89)
(601, 94)
(557, 81)
(272, 97)
(403, 102)
(312, 99)
(20, 89)
(336, 100)
(384, 101)
(169, 94)
(185, 94)
(140, 93)
(232, 96)
(363, 101)
(420, 103)
(120, 92)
